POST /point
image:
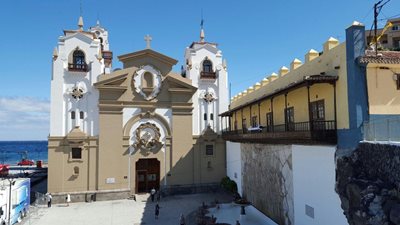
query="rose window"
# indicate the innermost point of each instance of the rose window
(77, 93)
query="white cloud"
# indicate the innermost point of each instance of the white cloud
(24, 118)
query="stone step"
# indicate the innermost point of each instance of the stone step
(141, 197)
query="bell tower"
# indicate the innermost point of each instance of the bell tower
(207, 69)
(79, 58)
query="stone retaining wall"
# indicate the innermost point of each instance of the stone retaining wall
(268, 180)
(368, 183)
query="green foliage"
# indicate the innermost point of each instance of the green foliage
(229, 184)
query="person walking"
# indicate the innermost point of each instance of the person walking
(182, 220)
(157, 211)
(68, 199)
(152, 194)
(49, 197)
(237, 222)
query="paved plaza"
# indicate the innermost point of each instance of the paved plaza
(141, 212)
(121, 212)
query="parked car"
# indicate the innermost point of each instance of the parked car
(26, 162)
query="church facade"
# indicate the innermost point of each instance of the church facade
(123, 131)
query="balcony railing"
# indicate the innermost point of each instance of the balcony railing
(208, 75)
(78, 67)
(290, 133)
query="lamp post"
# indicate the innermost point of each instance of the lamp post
(12, 182)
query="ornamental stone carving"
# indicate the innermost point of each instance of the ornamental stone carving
(78, 91)
(148, 138)
(147, 82)
(208, 96)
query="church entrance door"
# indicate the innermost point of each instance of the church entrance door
(147, 175)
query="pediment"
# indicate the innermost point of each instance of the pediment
(209, 134)
(78, 35)
(209, 48)
(148, 57)
(76, 136)
(179, 83)
(113, 81)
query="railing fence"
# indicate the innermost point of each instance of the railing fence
(387, 129)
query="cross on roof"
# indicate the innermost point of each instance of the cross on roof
(148, 39)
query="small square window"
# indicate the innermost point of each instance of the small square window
(76, 153)
(209, 150)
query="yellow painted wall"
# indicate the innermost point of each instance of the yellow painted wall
(278, 110)
(331, 62)
(265, 108)
(111, 152)
(298, 99)
(383, 96)
(61, 167)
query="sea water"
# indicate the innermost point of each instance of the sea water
(11, 152)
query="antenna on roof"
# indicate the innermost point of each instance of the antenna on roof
(80, 8)
(80, 22)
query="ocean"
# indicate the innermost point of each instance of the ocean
(11, 152)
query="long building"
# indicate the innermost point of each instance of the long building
(285, 133)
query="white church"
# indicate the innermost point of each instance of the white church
(116, 132)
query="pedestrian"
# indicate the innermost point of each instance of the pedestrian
(182, 220)
(157, 211)
(217, 203)
(152, 193)
(237, 222)
(158, 196)
(49, 197)
(68, 199)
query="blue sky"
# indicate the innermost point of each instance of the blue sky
(257, 37)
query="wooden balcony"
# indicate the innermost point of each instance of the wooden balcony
(208, 75)
(316, 132)
(78, 67)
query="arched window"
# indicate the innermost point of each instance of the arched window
(207, 66)
(78, 61)
(78, 57)
(101, 43)
(147, 80)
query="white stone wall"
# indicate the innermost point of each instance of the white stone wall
(63, 82)
(195, 57)
(233, 164)
(314, 185)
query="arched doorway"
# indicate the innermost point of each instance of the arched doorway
(147, 175)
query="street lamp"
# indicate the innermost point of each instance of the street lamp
(11, 180)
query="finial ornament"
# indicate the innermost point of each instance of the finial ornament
(148, 39)
(80, 23)
(202, 30)
(55, 53)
